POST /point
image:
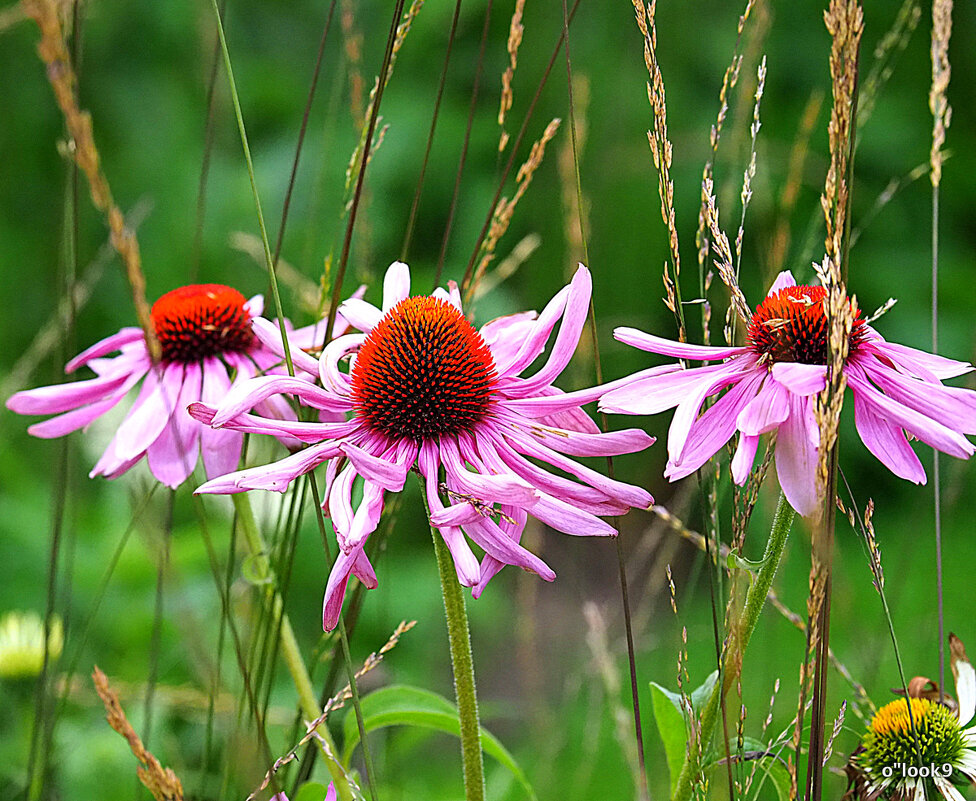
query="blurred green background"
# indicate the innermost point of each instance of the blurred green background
(552, 676)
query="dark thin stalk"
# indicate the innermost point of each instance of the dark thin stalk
(405, 249)
(469, 270)
(358, 193)
(452, 210)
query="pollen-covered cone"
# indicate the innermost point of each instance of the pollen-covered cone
(770, 383)
(208, 346)
(425, 389)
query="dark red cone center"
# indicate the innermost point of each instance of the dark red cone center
(423, 372)
(791, 326)
(201, 320)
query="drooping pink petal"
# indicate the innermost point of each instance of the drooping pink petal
(713, 429)
(396, 285)
(575, 443)
(492, 540)
(512, 522)
(572, 419)
(385, 471)
(666, 347)
(887, 442)
(929, 366)
(64, 397)
(465, 563)
(253, 424)
(569, 519)
(245, 395)
(333, 379)
(796, 457)
(926, 429)
(650, 392)
(340, 505)
(78, 418)
(275, 476)
(335, 590)
(151, 412)
(801, 379)
(744, 457)
(220, 448)
(173, 454)
(505, 335)
(488, 488)
(367, 516)
(269, 335)
(536, 337)
(106, 346)
(768, 408)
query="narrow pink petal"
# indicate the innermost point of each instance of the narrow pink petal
(396, 285)
(275, 476)
(745, 456)
(105, 346)
(887, 442)
(245, 395)
(574, 419)
(536, 336)
(574, 317)
(783, 280)
(457, 514)
(920, 363)
(333, 379)
(513, 524)
(335, 589)
(488, 488)
(367, 516)
(505, 335)
(173, 454)
(65, 397)
(611, 443)
(801, 379)
(492, 540)
(465, 563)
(709, 381)
(796, 457)
(655, 392)
(360, 314)
(767, 409)
(954, 407)
(382, 470)
(450, 295)
(340, 505)
(713, 429)
(78, 418)
(926, 429)
(666, 347)
(269, 335)
(569, 519)
(220, 448)
(151, 412)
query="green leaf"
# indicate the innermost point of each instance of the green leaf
(700, 695)
(401, 705)
(671, 726)
(740, 562)
(311, 791)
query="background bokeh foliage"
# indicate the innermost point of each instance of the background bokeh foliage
(144, 74)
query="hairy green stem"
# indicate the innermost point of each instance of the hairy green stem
(738, 640)
(463, 666)
(289, 643)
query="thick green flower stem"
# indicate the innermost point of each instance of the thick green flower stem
(289, 644)
(463, 665)
(738, 640)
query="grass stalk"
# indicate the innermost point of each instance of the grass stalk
(739, 639)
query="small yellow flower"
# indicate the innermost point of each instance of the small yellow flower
(22, 643)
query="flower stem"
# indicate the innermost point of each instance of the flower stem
(289, 643)
(463, 666)
(738, 640)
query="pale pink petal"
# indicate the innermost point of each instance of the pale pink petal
(255, 306)
(536, 336)
(275, 476)
(713, 429)
(505, 335)
(340, 505)
(796, 457)
(764, 413)
(929, 431)
(929, 366)
(245, 395)
(220, 448)
(666, 347)
(574, 317)
(744, 457)
(173, 454)
(654, 392)
(382, 470)
(360, 314)
(282, 429)
(512, 523)
(465, 563)
(345, 564)
(783, 280)
(367, 516)
(269, 335)
(78, 418)
(574, 419)
(488, 488)
(105, 346)
(333, 379)
(150, 413)
(396, 285)
(492, 540)
(575, 443)
(952, 406)
(887, 442)
(64, 397)
(801, 379)
(569, 519)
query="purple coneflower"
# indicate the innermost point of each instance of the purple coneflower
(424, 389)
(205, 334)
(771, 383)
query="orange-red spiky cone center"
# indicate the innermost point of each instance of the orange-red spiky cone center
(791, 326)
(423, 372)
(201, 320)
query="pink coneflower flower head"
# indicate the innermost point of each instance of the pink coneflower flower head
(206, 336)
(769, 385)
(426, 390)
